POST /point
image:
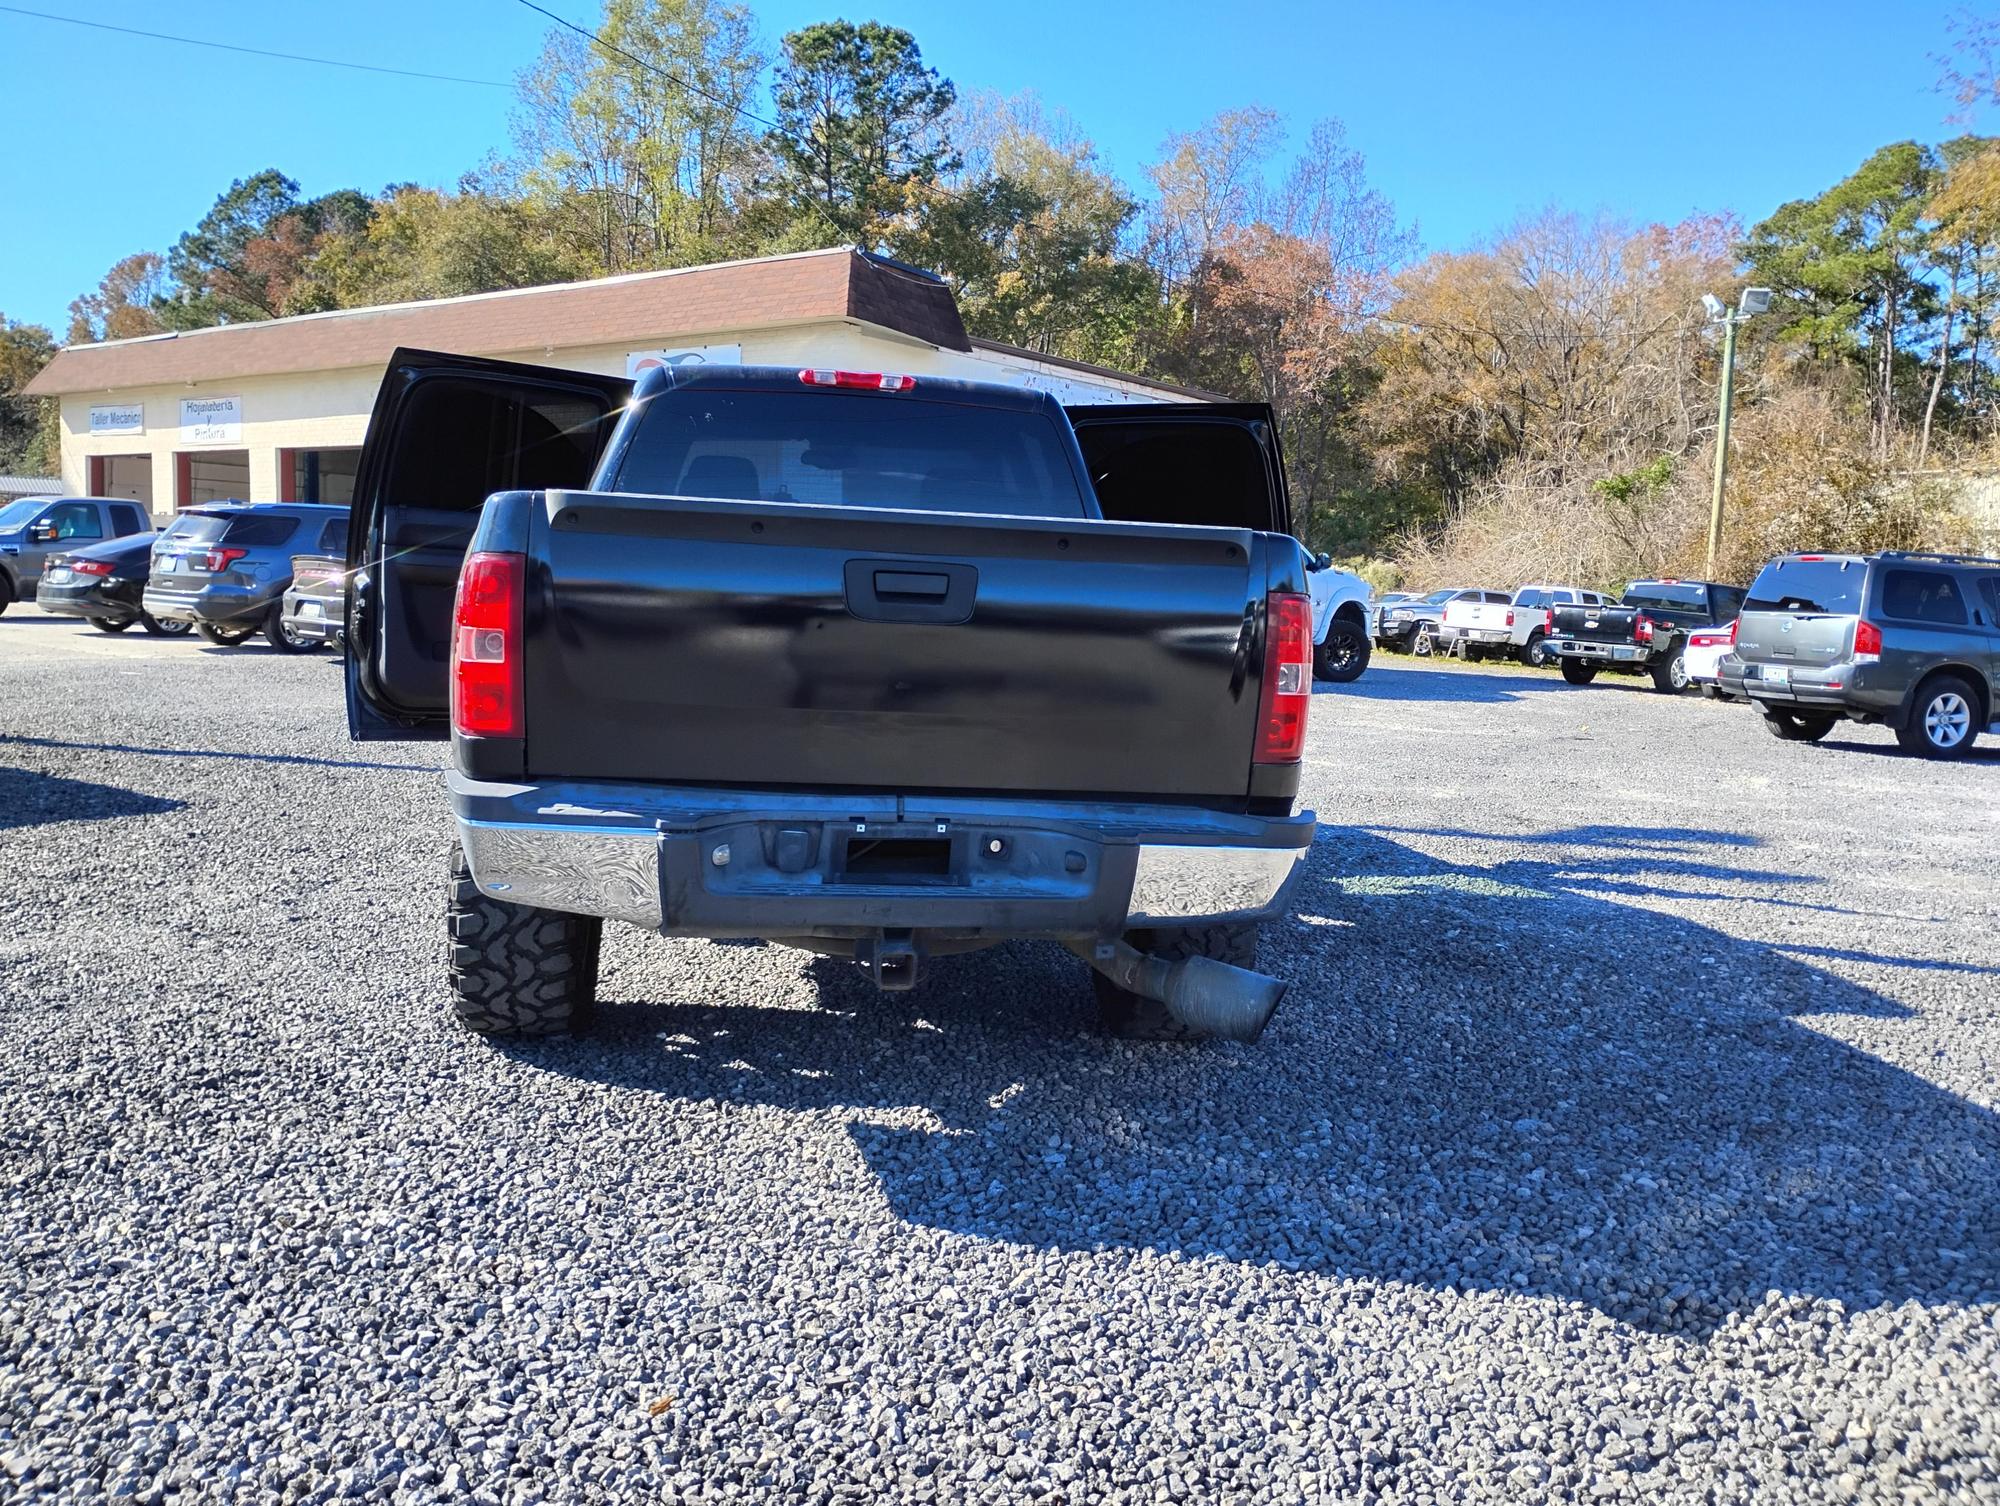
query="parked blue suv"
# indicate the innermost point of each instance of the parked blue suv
(225, 568)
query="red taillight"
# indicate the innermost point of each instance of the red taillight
(222, 559)
(1867, 640)
(486, 647)
(874, 381)
(1548, 619)
(90, 567)
(1287, 692)
(1510, 617)
(1642, 629)
(1732, 634)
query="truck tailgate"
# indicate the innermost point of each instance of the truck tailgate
(1593, 624)
(679, 640)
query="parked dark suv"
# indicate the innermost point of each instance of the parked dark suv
(1908, 641)
(225, 567)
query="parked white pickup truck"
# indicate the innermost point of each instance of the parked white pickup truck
(1341, 640)
(1518, 626)
(1475, 623)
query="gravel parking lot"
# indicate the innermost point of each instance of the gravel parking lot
(1629, 1133)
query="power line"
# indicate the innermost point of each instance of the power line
(288, 57)
(639, 62)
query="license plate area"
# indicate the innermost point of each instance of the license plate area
(869, 858)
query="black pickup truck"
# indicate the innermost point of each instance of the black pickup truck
(1646, 633)
(880, 666)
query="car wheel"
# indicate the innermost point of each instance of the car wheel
(1577, 672)
(1944, 719)
(159, 629)
(282, 638)
(1797, 726)
(517, 970)
(223, 637)
(1132, 1017)
(1421, 642)
(6, 593)
(1344, 654)
(112, 624)
(1670, 676)
(1536, 654)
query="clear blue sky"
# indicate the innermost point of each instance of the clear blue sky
(1469, 112)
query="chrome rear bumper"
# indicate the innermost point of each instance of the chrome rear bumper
(765, 865)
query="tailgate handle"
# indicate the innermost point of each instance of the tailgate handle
(902, 591)
(907, 583)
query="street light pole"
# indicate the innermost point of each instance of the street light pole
(1753, 302)
(1729, 323)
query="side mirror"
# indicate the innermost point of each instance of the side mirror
(1323, 560)
(43, 532)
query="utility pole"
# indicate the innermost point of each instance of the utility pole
(1753, 302)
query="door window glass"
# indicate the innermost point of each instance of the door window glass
(77, 520)
(1989, 591)
(502, 438)
(1923, 596)
(125, 519)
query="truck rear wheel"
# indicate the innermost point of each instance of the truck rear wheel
(1344, 654)
(1670, 675)
(517, 970)
(1132, 1017)
(1536, 652)
(1577, 672)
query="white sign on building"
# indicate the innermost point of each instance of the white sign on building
(118, 418)
(211, 420)
(637, 361)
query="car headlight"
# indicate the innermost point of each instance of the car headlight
(1399, 616)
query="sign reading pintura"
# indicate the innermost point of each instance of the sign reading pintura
(211, 420)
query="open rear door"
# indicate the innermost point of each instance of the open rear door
(1218, 464)
(446, 433)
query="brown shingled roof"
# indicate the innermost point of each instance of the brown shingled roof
(836, 284)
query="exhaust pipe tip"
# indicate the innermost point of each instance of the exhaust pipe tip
(1218, 999)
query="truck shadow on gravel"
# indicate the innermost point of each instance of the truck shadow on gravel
(1387, 682)
(28, 798)
(1485, 1078)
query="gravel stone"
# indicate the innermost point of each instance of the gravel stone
(1628, 1133)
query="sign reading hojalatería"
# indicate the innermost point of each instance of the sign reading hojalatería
(211, 420)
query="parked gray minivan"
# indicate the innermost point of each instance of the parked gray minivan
(1904, 640)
